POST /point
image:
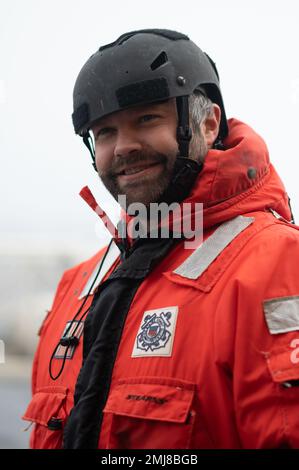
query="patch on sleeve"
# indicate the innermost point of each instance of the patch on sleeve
(283, 364)
(282, 314)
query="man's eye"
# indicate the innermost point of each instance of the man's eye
(148, 117)
(103, 131)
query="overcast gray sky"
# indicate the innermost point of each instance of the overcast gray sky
(43, 45)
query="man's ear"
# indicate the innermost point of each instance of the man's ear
(210, 126)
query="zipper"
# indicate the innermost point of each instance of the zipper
(279, 217)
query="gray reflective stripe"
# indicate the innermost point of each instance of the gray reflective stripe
(112, 256)
(282, 314)
(208, 251)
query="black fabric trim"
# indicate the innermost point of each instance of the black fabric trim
(143, 92)
(102, 334)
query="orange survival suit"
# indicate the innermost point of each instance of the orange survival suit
(194, 348)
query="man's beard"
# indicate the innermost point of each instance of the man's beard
(147, 190)
(143, 189)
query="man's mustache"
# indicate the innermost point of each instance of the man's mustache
(134, 159)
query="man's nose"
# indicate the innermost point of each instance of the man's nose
(126, 143)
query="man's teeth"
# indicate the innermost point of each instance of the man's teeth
(132, 171)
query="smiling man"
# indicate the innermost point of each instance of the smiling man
(136, 149)
(151, 344)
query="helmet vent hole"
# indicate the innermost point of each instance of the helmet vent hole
(159, 61)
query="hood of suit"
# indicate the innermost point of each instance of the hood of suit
(235, 181)
(239, 180)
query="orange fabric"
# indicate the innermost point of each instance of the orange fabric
(222, 385)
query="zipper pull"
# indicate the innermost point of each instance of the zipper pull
(278, 216)
(88, 197)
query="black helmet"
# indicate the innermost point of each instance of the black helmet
(142, 67)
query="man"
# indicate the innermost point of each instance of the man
(183, 348)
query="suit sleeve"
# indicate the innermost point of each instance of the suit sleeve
(266, 349)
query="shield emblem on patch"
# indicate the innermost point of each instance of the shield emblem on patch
(153, 330)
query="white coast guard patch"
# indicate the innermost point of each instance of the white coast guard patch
(156, 333)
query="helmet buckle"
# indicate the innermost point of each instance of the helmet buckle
(184, 133)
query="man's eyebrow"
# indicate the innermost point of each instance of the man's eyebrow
(100, 123)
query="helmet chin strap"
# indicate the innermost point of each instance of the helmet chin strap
(185, 170)
(87, 139)
(184, 132)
